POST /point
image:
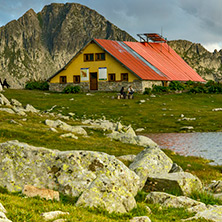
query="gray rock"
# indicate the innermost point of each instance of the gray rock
(66, 127)
(4, 100)
(53, 130)
(168, 200)
(69, 135)
(127, 158)
(98, 178)
(30, 108)
(2, 209)
(53, 215)
(119, 127)
(19, 110)
(15, 102)
(8, 110)
(213, 214)
(151, 161)
(215, 187)
(187, 128)
(130, 137)
(175, 168)
(182, 182)
(140, 129)
(140, 219)
(2, 216)
(60, 220)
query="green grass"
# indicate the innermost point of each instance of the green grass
(159, 114)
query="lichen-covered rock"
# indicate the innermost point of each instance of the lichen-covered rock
(66, 127)
(69, 172)
(106, 192)
(150, 161)
(168, 200)
(213, 214)
(182, 182)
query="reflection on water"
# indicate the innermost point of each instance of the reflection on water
(207, 145)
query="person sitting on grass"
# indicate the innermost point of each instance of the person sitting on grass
(123, 93)
(130, 91)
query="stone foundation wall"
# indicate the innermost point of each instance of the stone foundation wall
(138, 86)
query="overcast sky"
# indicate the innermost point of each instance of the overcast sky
(199, 21)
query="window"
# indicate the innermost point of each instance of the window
(124, 76)
(112, 77)
(100, 56)
(76, 79)
(88, 57)
(63, 79)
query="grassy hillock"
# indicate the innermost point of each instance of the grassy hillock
(156, 114)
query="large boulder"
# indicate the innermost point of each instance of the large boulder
(151, 161)
(181, 182)
(95, 177)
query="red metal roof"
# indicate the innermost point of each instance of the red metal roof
(150, 61)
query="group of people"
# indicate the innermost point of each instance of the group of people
(4, 84)
(129, 92)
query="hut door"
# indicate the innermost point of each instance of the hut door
(93, 81)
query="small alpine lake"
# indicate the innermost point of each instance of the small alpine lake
(207, 145)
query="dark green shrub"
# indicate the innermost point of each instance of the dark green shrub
(199, 88)
(72, 89)
(40, 85)
(147, 91)
(160, 89)
(176, 85)
(214, 87)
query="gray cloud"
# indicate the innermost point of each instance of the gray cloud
(193, 20)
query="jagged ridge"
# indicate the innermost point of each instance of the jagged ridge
(207, 64)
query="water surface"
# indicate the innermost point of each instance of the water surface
(207, 145)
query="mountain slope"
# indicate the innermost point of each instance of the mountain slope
(36, 45)
(207, 64)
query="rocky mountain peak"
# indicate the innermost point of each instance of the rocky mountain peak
(36, 45)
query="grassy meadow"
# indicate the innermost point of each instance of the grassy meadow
(157, 114)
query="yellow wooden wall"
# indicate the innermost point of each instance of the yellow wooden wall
(77, 63)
